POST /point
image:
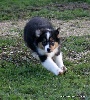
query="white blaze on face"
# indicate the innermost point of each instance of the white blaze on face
(47, 46)
(48, 35)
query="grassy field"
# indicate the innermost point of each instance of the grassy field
(22, 77)
(21, 9)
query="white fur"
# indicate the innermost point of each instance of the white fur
(47, 46)
(59, 61)
(55, 67)
(35, 55)
(50, 65)
(41, 51)
(48, 35)
(38, 33)
(51, 54)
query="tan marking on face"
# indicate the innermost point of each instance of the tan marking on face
(53, 47)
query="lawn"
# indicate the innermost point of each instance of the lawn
(66, 9)
(23, 78)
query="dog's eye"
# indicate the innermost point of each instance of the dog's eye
(52, 43)
(44, 42)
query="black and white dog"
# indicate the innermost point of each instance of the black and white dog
(43, 39)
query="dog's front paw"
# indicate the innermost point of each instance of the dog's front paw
(60, 73)
(64, 70)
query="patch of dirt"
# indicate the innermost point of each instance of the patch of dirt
(13, 28)
(75, 27)
(71, 6)
(79, 57)
(70, 27)
(62, 7)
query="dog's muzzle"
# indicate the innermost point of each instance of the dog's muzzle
(48, 50)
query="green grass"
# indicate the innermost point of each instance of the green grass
(23, 79)
(21, 9)
(77, 44)
(65, 15)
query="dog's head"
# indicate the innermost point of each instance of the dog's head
(48, 39)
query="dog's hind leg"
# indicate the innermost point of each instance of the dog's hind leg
(34, 54)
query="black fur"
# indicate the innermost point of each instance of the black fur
(43, 39)
(31, 39)
(29, 31)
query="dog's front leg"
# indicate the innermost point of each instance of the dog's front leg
(59, 62)
(50, 65)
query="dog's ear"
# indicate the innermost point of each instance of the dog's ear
(57, 32)
(38, 33)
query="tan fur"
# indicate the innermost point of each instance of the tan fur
(55, 46)
(51, 47)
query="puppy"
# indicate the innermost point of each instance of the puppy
(43, 39)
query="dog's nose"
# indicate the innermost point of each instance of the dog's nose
(48, 49)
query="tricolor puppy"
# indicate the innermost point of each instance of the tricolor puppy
(43, 39)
